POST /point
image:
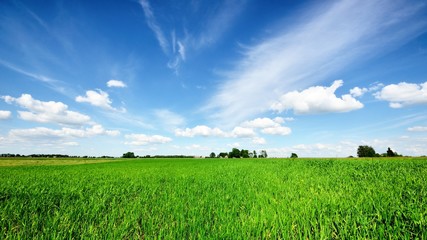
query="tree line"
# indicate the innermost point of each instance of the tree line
(368, 151)
(11, 155)
(242, 153)
(132, 155)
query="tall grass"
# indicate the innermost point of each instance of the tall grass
(217, 199)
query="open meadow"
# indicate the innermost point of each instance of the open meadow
(380, 198)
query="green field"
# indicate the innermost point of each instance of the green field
(216, 199)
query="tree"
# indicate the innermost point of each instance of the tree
(212, 155)
(366, 151)
(128, 155)
(244, 153)
(223, 155)
(294, 155)
(263, 154)
(390, 153)
(255, 156)
(235, 153)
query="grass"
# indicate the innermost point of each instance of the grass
(25, 161)
(217, 199)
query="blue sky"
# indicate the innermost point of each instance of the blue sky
(318, 78)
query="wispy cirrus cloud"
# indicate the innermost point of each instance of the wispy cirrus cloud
(50, 82)
(154, 26)
(174, 50)
(219, 22)
(335, 35)
(210, 29)
(418, 129)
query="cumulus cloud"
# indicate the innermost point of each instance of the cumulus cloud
(263, 122)
(277, 130)
(43, 132)
(46, 112)
(259, 140)
(269, 126)
(357, 91)
(5, 114)
(242, 132)
(142, 139)
(116, 83)
(317, 100)
(313, 50)
(403, 94)
(418, 129)
(205, 131)
(98, 98)
(200, 130)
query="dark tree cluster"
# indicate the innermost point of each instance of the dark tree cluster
(236, 153)
(368, 151)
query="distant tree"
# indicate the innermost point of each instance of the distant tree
(212, 155)
(244, 153)
(366, 151)
(263, 154)
(390, 153)
(255, 156)
(223, 155)
(128, 155)
(235, 153)
(294, 155)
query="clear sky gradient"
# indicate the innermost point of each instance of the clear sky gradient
(318, 78)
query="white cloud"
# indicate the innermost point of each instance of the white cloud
(169, 118)
(46, 112)
(98, 98)
(358, 92)
(43, 132)
(418, 129)
(268, 125)
(245, 130)
(403, 94)
(200, 130)
(263, 122)
(5, 114)
(52, 83)
(259, 140)
(116, 83)
(205, 131)
(153, 25)
(71, 144)
(337, 34)
(219, 22)
(181, 50)
(317, 100)
(277, 130)
(242, 132)
(234, 145)
(142, 139)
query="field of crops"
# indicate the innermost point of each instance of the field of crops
(217, 199)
